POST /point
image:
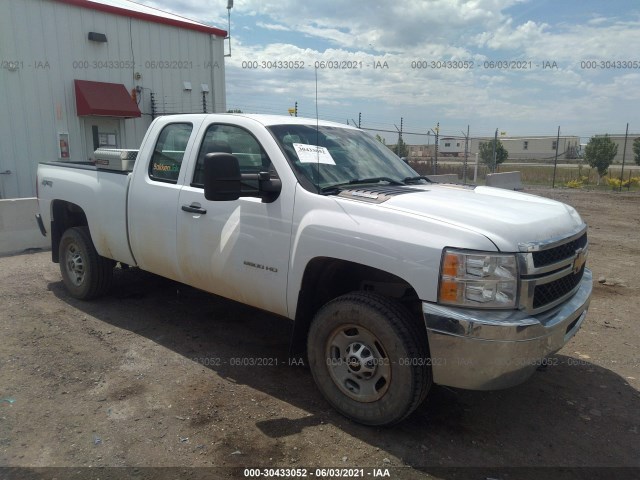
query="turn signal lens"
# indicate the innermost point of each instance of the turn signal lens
(450, 265)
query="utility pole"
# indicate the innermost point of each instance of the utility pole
(624, 154)
(493, 156)
(475, 171)
(437, 134)
(466, 157)
(399, 136)
(295, 110)
(359, 119)
(555, 162)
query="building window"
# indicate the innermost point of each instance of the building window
(554, 145)
(525, 145)
(447, 144)
(107, 140)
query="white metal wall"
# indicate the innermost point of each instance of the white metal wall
(44, 47)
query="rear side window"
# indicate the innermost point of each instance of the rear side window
(169, 152)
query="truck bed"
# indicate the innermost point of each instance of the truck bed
(100, 193)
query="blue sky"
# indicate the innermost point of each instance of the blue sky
(531, 100)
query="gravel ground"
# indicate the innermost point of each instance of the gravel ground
(153, 376)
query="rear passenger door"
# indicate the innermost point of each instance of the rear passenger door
(153, 199)
(237, 249)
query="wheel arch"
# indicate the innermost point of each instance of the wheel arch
(326, 278)
(64, 215)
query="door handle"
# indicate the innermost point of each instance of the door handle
(193, 209)
(6, 172)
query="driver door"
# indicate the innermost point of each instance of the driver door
(237, 249)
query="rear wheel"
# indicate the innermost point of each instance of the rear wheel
(85, 274)
(369, 358)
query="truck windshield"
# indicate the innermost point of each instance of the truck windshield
(333, 156)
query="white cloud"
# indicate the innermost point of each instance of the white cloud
(403, 31)
(273, 26)
(396, 27)
(194, 10)
(506, 37)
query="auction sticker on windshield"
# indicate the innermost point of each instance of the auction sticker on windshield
(313, 154)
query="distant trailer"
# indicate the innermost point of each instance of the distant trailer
(451, 147)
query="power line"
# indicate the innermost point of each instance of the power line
(341, 115)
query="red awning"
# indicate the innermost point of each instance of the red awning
(104, 99)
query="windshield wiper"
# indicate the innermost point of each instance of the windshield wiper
(415, 179)
(358, 181)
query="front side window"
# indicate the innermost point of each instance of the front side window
(237, 141)
(169, 152)
(327, 156)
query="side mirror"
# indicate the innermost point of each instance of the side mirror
(221, 177)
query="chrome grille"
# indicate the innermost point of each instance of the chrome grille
(550, 272)
(553, 255)
(550, 292)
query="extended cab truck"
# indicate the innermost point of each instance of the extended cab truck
(393, 282)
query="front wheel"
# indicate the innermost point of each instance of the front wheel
(85, 273)
(369, 358)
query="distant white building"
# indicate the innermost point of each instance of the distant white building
(81, 74)
(618, 139)
(451, 146)
(519, 148)
(421, 151)
(534, 148)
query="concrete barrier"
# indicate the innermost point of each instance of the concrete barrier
(18, 228)
(507, 180)
(447, 178)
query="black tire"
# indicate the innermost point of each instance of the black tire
(85, 274)
(369, 358)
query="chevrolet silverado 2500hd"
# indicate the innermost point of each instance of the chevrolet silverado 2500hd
(393, 282)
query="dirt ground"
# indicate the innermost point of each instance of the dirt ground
(152, 376)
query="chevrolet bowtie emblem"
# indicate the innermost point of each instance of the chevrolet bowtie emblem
(581, 259)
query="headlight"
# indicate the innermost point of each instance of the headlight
(478, 279)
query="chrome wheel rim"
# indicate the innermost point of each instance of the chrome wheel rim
(358, 363)
(75, 264)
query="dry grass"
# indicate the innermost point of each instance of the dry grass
(542, 175)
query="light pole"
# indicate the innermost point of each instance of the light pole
(228, 37)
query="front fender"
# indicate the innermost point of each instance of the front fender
(403, 244)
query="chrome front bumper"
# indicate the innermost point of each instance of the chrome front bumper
(492, 349)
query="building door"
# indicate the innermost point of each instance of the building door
(101, 132)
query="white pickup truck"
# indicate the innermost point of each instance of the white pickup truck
(393, 282)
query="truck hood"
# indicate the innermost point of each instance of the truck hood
(505, 217)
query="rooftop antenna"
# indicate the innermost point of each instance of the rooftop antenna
(228, 37)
